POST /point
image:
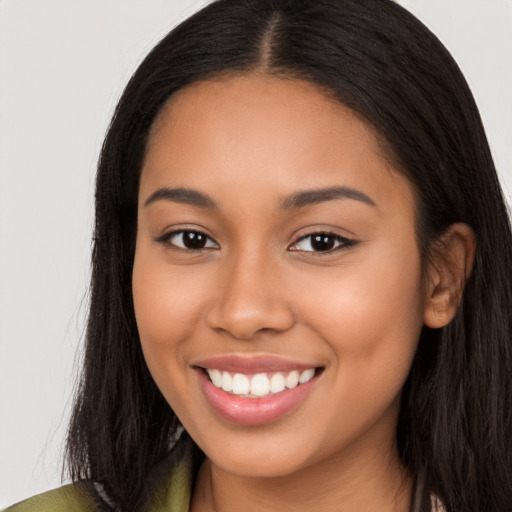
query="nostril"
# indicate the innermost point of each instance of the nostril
(246, 320)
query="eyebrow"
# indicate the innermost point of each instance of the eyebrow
(182, 195)
(322, 195)
(297, 200)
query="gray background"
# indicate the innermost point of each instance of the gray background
(63, 64)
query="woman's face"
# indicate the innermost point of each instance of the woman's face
(276, 243)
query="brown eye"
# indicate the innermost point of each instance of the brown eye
(321, 242)
(189, 240)
(193, 240)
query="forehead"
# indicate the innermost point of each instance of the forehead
(263, 133)
(259, 102)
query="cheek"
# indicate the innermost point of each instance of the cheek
(371, 320)
(167, 306)
(370, 312)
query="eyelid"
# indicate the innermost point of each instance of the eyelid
(344, 242)
(166, 237)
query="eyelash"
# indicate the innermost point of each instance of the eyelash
(166, 239)
(343, 243)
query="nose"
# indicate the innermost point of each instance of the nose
(252, 300)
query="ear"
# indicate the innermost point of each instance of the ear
(448, 271)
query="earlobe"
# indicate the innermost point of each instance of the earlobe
(450, 267)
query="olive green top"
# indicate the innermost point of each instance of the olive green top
(170, 494)
(170, 491)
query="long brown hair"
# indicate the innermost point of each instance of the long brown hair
(455, 425)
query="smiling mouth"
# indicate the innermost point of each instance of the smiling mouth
(255, 391)
(259, 385)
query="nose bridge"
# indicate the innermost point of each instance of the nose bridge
(250, 299)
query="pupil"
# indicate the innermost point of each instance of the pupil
(322, 242)
(193, 240)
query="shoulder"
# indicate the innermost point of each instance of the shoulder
(168, 487)
(67, 498)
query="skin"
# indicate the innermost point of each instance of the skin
(258, 289)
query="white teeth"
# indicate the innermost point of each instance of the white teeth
(241, 384)
(227, 381)
(277, 383)
(258, 385)
(306, 375)
(292, 379)
(216, 377)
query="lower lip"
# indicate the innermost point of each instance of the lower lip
(253, 411)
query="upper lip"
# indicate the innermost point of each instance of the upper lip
(252, 364)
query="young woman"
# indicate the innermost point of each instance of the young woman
(301, 286)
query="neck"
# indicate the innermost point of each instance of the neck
(342, 483)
